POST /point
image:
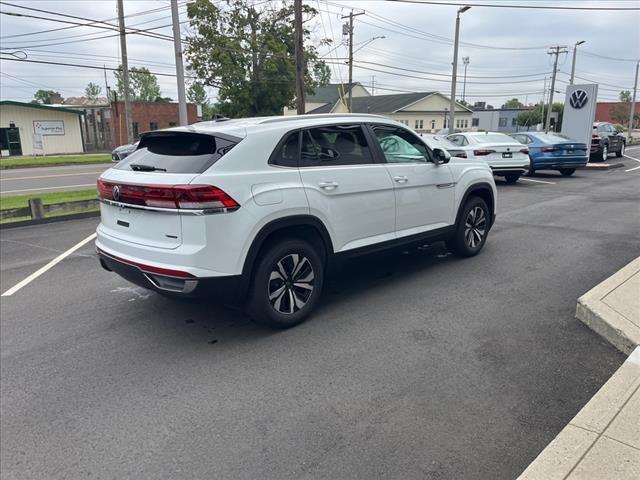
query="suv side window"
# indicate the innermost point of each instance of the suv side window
(288, 151)
(401, 146)
(334, 145)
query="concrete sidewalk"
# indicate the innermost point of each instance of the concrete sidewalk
(602, 442)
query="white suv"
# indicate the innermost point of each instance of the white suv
(257, 209)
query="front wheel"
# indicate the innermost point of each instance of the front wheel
(471, 231)
(604, 153)
(286, 285)
(567, 172)
(620, 152)
(512, 178)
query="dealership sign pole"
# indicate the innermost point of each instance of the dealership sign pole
(579, 112)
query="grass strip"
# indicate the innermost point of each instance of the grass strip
(55, 160)
(18, 201)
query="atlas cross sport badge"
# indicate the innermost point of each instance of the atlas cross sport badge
(578, 99)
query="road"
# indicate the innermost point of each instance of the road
(50, 179)
(416, 365)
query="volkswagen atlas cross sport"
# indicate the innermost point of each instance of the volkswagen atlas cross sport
(258, 209)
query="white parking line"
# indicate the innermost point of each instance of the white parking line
(48, 266)
(48, 188)
(537, 181)
(632, 158)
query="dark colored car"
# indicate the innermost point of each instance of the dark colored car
(437, 141)
(123, 151)
(606, 139)
(553, 151)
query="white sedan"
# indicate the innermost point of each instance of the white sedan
(505, 156)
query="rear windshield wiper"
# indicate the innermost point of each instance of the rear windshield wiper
(138, 167)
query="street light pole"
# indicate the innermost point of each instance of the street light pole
(573, 62)
(465, 60)
(452, 109)
(633, 102)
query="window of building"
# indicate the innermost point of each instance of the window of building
(334, 145)
(514, 121)
(419, 124)
(502, 122)
(173, 124)
(475, 122)
(153, 126)
(433, 124)
(466, 123)
(136, 131)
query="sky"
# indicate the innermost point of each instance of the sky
(507, 47)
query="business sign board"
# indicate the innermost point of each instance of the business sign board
(48, 127)
(37, 142)
(579, 112)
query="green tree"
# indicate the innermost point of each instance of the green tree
(625, 96)
(197, 94)
(92, 91)
(531, 118)
(47, 97)
(248, 54)
(143, 85)
(513, 103)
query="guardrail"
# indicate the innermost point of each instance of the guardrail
(36, 210)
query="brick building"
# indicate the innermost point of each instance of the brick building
(604, 112)
(148, 116)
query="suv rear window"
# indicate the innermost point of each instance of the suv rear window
(177, 152)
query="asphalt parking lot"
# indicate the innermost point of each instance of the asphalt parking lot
(416, 365)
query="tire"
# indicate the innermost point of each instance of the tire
(471, 230)
(620, 151)
(567, 172)
(276, 300)
(531, 172)
(604, 153)
(512, 178)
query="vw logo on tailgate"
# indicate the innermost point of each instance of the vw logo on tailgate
(578, 99)
(115, 192)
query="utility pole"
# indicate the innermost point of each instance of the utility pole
(373, 84)
(454, 74)
(177, 48)
(299, 52)
(128, 116)
(633, 101)
(557, 50)
(573, 62)
(465, 60)
(350, 33)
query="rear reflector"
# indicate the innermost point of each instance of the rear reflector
(188, 197)
(483, 152)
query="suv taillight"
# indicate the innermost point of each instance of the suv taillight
(483, 152)
(188, 197)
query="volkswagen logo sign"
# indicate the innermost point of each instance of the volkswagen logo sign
(115, 192)
(578, 99)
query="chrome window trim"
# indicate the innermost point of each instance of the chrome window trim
(171, 211)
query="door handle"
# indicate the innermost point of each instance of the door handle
(328, 185)
(401, 179)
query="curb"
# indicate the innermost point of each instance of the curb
(602, 166)
(41, 221)
(595, 311)
(595, 444)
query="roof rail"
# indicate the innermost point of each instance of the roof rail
(312, 116)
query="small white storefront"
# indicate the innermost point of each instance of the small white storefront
(34, 129)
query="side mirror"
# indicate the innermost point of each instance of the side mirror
(441, 156)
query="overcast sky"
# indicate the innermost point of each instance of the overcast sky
(507, 47)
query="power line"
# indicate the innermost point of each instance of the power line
(501, 5)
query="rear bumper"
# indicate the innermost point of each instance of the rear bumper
(226, 288)
(511, 170)
(560, 162)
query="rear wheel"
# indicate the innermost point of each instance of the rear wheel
(286, 285)
(567, 172)
(512, 178)
(604, 153)
(471, 231)
(620, 151)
